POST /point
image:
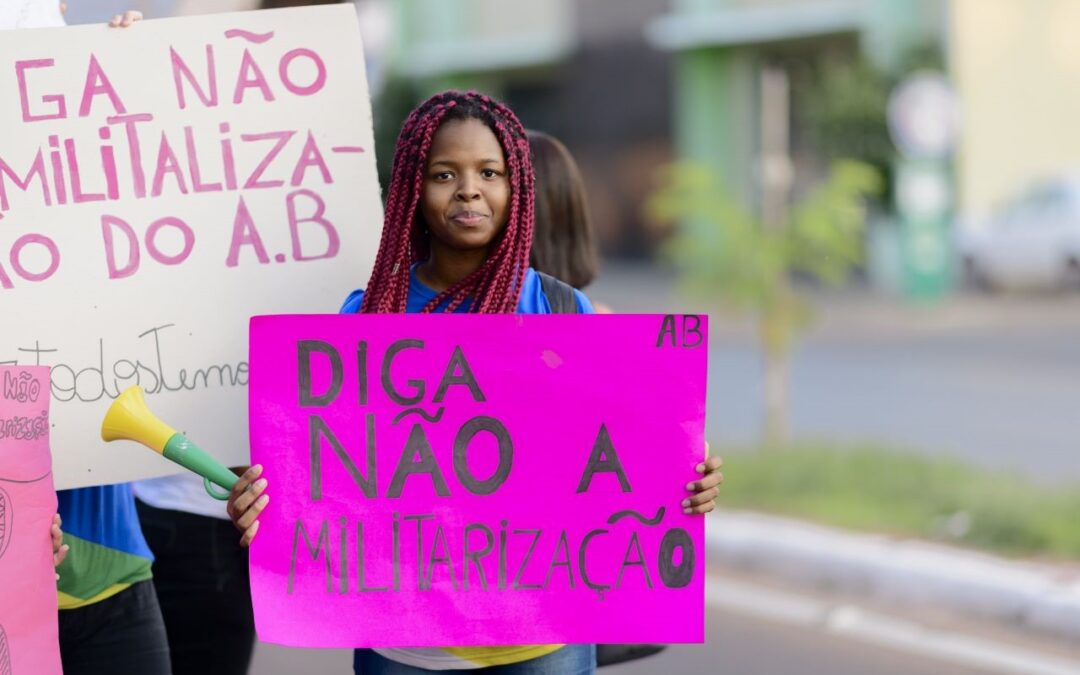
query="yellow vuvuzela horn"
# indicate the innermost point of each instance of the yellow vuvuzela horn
(130, 419)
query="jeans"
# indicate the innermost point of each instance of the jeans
(123, 633)
(570, 660)
(201, 577)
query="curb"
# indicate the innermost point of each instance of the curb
(1035, 596)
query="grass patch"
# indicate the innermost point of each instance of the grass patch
(884, 490)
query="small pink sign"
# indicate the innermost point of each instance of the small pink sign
(29, 641)
(457, 480)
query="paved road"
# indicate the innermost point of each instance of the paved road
(995, 380)
(992, 380)
(736, 645)
(743, 646)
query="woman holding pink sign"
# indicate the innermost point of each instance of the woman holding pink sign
(456, 238)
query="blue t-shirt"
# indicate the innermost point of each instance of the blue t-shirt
(533, 300)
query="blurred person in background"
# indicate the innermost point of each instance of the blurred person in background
(563, 242)
(109, 619)
(200, 570)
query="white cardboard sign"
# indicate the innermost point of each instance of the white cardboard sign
(158, 186)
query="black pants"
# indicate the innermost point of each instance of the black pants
(201, 576)
(121, 634)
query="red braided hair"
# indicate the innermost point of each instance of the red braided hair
(495, 286)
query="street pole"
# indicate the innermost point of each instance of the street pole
(776, 177)
(923, 126)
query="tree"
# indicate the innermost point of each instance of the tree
(725, 252)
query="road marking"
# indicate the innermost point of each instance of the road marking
(881, 629)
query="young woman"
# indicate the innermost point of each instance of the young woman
(456, 238)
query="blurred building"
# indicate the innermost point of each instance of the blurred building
(630, 86)
(1016, 64)
(746, 68)
(582, 71)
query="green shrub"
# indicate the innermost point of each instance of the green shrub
(887, 490)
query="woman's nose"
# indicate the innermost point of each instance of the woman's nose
(468, 189)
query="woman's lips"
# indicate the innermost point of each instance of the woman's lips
(468, 218)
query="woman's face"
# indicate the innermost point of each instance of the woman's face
(466, 191)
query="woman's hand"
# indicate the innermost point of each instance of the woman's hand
(59, 548)
(705, 490)
(246, 502)
(126, 19)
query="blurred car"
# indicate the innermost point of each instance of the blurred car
(1032, 243)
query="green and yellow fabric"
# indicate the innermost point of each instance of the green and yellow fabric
(108, 552)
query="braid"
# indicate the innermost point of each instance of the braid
(495, 287)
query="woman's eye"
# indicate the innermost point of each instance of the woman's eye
(489, 173)
(442, 175)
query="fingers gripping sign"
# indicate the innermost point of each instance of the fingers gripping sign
(707, 489)
(246, 501)
(126, 19)
(60, 549)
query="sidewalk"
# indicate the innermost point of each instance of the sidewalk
(1035, 596)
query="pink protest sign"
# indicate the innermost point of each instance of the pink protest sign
(477, 480)
(28, 630)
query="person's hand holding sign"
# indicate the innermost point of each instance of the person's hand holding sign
(126, 19)
(118, 21)
(60, 549)
(707, 489)
(246, 502)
